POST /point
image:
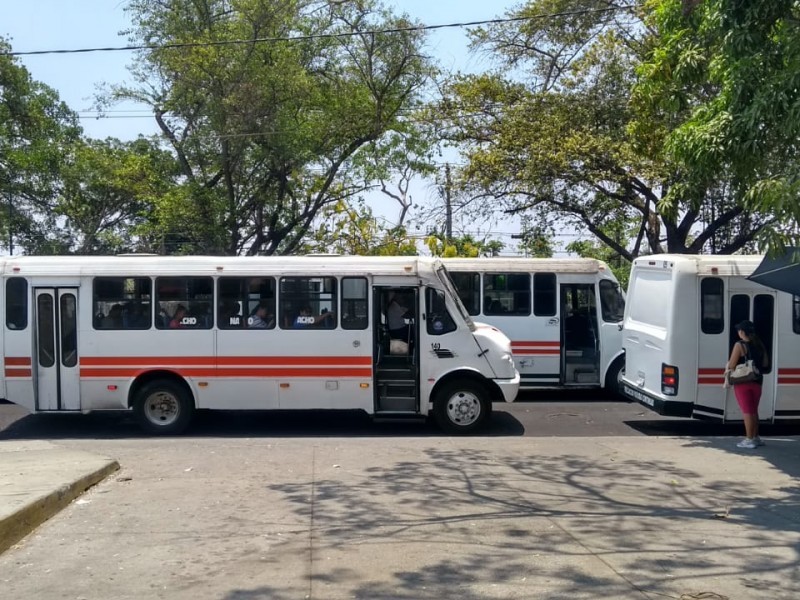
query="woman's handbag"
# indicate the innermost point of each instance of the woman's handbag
(743, 373)
(747, 371)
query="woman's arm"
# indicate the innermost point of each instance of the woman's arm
(736, 354)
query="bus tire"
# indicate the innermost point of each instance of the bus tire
(462, 407)
(163, 407)
(614, 377)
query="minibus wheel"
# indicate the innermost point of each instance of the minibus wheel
(163, 407)
(462, 407)
(614, 377)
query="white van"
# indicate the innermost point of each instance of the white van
(679, 328)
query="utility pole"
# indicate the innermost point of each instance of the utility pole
(448, 206)
(10, 227)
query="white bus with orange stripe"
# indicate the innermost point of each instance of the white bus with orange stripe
(163, 336)
(679, 328)
(563, 316)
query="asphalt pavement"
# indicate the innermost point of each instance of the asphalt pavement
(386, 517)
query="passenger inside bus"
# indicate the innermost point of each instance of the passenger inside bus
(113, 320)
(177, 318)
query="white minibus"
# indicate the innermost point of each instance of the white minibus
(164, 336)
(679, 329)
(563, 316)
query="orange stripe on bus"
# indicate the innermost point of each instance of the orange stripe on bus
(210, 361)
(546, 344)
(231, 372)
(711, 380)
(789, 380)
(714, 371)
(18, 372)
(18, 361)
(788, 371)
(532, 351)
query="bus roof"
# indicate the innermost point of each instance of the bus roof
(522, 264)
(716, 264)
(221, 265)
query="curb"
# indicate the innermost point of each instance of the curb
(16, 526)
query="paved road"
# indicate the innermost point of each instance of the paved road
(565, 414)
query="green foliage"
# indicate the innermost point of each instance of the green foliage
(269, 134)
(36, 131)
(554, 133)
(733, 68)
(463, 246)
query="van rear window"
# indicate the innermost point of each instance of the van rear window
(650, 297)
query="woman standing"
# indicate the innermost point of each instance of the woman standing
(748, 394)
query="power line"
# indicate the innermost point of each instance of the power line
(318, 36)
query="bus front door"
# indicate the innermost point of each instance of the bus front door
(396, 355)
(55, 352)
(760, 309)
(580, 356)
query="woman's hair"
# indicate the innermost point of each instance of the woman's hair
(756, 341)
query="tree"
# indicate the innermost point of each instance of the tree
(109, 192)
(554, 131)
(36, 131)
(731, 68)
(266, 132)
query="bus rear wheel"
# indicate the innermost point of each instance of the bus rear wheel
(462, 407)
(163, 407)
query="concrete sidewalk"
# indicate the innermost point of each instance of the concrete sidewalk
(388, 518)
(38, 479)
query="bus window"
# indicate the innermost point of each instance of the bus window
(354, 303)
(438, 318)
(121, 302)
(612, 304)
(507, 294)
(17, 303)
(469, 290)
(308, 302)
(712, 313)
(246, 302)
(184, 302)
(544, 294)
(796, 314)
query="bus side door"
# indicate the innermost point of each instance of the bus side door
(760, 309)
(55, 352)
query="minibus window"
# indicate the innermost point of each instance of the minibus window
(712, 311)
(308, 303)
(544, 294)
(46, 327)
(612, 304)
(507, 294)
(184, 302)
(17, 303)
(121, 302)
(447, 282)
(354, 303)
(468, 286)
(796, 314)
(246, 303)
(438, 318)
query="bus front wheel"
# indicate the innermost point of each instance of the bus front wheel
(462, 407)
(163, 407)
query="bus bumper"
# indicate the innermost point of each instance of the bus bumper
(509, 387)
(670, 408)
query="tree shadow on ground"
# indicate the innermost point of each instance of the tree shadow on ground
(479, 524)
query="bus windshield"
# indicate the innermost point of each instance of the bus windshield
(444, 277)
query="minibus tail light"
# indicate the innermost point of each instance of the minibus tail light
(669, 380)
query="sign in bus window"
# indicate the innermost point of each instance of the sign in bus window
(184, 302)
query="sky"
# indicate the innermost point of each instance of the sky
(70, 24)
